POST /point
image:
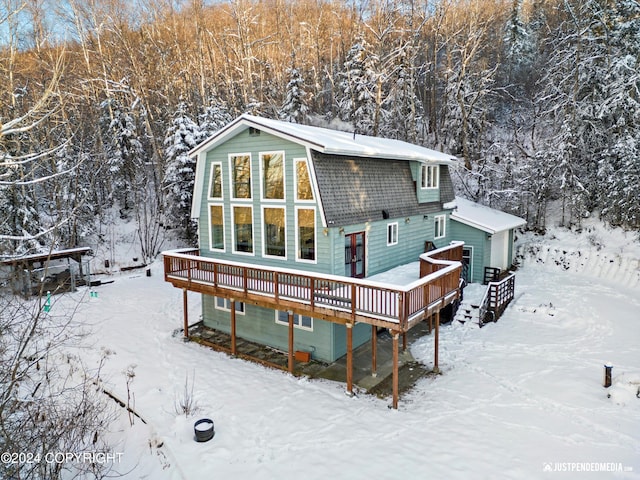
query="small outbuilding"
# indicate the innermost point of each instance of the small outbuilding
(488, 236)
(56, 271)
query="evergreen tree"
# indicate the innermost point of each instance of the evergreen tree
(20, 219)
(295, 108)
(402, 106)
(124, 151)
(214, 117)
(182, 136)
(617, 108)
(357, 103)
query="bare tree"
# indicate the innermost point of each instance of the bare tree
(49, 400)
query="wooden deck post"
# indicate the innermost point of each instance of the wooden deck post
(395, 335)
(185, 312)
(291, 360)
(233, 327)
(374, 351)
(349, 359)
(435, 341)
(404, 341)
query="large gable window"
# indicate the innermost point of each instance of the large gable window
(216, 227)
(274, 232)
(241, 175)
(303, 181)
(215, 182)
(242, 229)
(439, 226)
(306, 234)
(272, 175)
(430, 176)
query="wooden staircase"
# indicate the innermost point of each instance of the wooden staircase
(496, 298)
(467, 312)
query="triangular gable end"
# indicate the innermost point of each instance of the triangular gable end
(318, 139)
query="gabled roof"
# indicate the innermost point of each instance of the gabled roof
(327, 141)
(484, 218)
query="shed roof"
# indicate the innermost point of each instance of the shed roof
(484, 218)
(73, 253)
(328, 141)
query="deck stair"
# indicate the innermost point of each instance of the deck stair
(482, 304)
(469, 308)
(468, 312)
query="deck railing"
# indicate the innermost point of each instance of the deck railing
(361, 299)
(434, 260)
(496, 299)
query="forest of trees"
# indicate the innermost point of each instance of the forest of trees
(101, 99)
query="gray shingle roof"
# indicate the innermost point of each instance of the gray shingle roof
(356, 190)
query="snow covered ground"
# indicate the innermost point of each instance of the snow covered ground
(519, 399)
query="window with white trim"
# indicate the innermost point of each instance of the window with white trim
(392, 233)
(216, 227)
(274, 232)
(306, 234)
(242, 229)
(430, 176)
(240, 175)
(440, 222)
(225, 304)
(272, 165)
(215, 181)
(303, 180)
(299, 321)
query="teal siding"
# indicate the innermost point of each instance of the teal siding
(244, 143)
(361, 334)
(481, 247)
(259, 325)
(424, 194)
(327, 341)
(380, 257)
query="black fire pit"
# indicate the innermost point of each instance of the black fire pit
(204, 430)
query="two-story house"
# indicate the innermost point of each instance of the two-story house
(314, 212)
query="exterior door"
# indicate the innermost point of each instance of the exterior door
(467, 259)
(354, 255)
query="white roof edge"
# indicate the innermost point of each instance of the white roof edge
(477, 225)
(198, 185)
(484, 218)
(329, 141)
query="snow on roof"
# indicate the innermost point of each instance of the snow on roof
(328, 141)
(484, 218)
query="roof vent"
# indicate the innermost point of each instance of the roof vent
(385, 214)
(254, 132)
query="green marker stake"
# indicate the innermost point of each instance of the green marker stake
(47, 304)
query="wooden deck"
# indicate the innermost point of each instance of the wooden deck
(332, 298)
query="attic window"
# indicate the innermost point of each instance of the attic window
(254, 132)
(430, 176)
